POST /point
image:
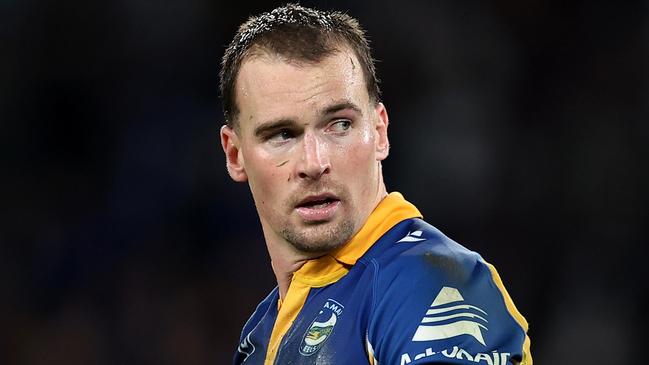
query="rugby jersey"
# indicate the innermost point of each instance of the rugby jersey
(399, 292)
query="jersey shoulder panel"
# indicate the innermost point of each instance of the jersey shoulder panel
(436, 301)
(424, 246)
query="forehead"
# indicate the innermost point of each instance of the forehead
(269, 86)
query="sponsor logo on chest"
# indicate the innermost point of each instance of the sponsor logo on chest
(321, 328)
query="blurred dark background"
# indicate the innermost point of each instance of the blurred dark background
(520, 129)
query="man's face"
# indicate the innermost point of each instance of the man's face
(309, 143)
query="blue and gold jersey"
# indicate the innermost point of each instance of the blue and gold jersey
(400, 292)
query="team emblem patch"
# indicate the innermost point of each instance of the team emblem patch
(321, 327)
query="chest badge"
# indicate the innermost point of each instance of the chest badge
(321, 328)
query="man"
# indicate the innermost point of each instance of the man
(361, 279)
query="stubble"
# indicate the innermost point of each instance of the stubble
(319, 239)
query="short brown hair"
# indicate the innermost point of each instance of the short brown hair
(297, 33)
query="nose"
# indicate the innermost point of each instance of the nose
(315, 160)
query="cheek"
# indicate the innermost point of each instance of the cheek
(263, 176)
(265, 185)
(357, 156)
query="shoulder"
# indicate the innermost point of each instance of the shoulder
(417, 250)
(431, 292)
(416, 261)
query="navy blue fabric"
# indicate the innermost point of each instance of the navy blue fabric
(383, 300)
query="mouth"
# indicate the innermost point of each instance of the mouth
(317, 201)
(318, 208)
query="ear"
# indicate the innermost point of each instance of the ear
(381, 127)
(233, 156)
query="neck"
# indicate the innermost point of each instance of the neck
(285, 261)
(284, 270)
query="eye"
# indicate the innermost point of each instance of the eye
(280, 136)
(340, 125)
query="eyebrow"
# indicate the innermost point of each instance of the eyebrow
(281, 123)
(273, 125)
(341, 105)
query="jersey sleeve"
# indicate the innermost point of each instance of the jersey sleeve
(254, 336)
(442, 304)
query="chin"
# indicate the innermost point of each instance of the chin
(321, 238)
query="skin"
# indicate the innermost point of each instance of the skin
(305, 130)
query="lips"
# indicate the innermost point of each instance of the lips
(317, 208)
(316, 200)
